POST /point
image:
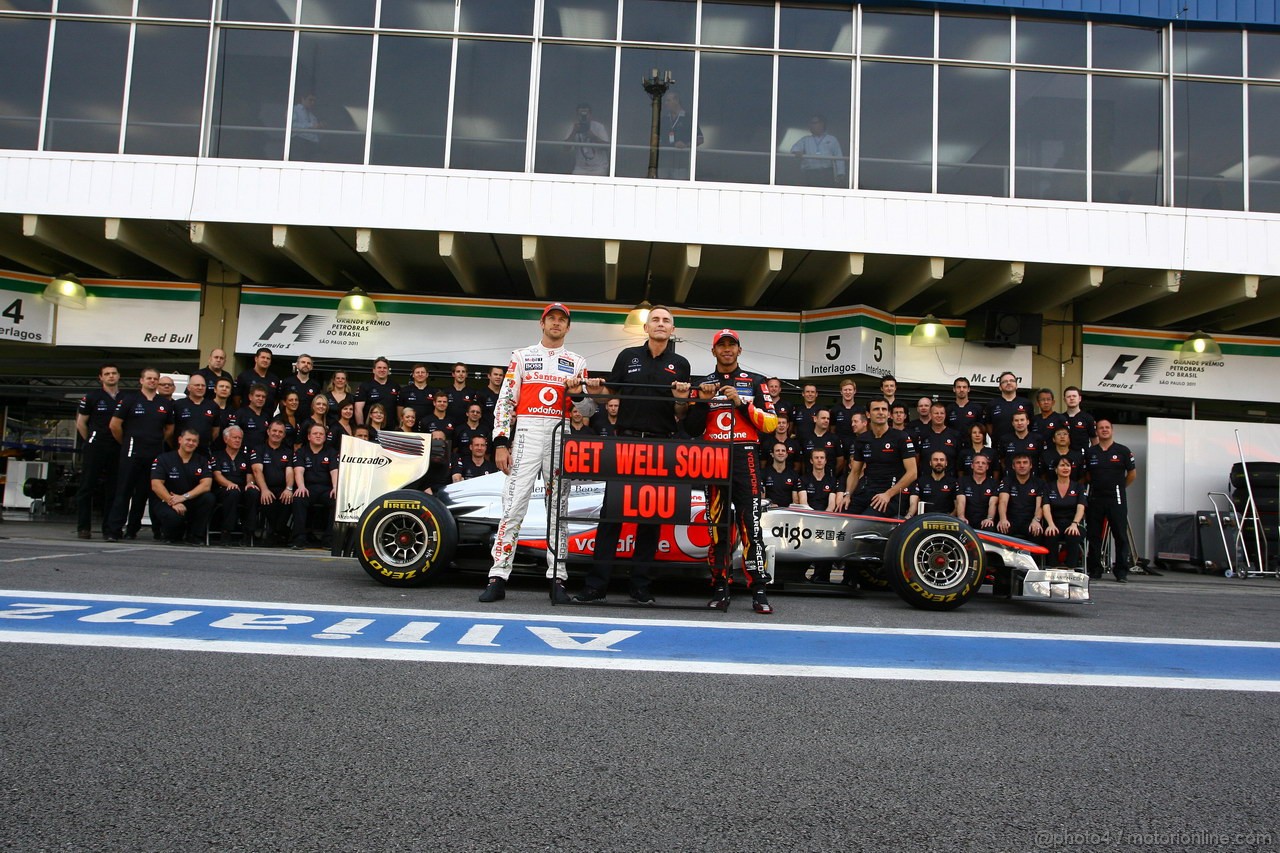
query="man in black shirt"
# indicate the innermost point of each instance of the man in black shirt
(780, 407)
(418, 395)
(1021, 440)
(802, 415)
(1000, 412)
(882, 466)
(781, 436)
(935, 492)
(197, 412)
(259, 374)
(273, 472)
(964, 413)
(1084, 429)
(644, 412)
(843, 411)
(213, 371)
(489, 395)
(460, 396)
(778, 479)
(939, 437)
(302, 381)
(1046, 420)
(315, 477)
(438, 420)
(379, 389)
(100, 450)
(470, 428)
(141, 424)
(1020, 496)
(822, 436)
(182, 483)
(237, 494)
(253, 418)
(476, 463)
(1111, 471)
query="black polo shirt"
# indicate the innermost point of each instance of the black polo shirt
(181, 477)
(275, 462)
(936, 495)
(1108, 468)
(316, 467)
(143, 423)
(387, 393)
(253, 424)
(977, 498)
(637, 366)
(1032, 445)
(459, 399)
(882, 458)
(795, 452)
(842, 418)
(1000, 414)
(1084, 429)
(816, 491)
(1021, 509)
(212, 378)
(470, 470)
(779, 486)
(249, 378)
(201, 417)
(307, 391)
(960, 418)
(421, 400)
(238, 470)
(1063, 507)
(948, 441)
(1046, 425)
(98, 406)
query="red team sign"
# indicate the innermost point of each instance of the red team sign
(657, 476)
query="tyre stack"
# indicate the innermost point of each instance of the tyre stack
(1264, 479)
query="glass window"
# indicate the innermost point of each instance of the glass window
(635, 113)
(338, 13)
(1129, 48)
(575, 110)
(737, 24)
(1127, 140)
(251, 96)
(813, 122)
(580, 19)
(86, 87)
(896, 127)
(1207, 52)
(897, 34)
(417, 15)
(1264, 148)
(1051, 137)
(491, 106)
(195, 9)
(411, 101)
(979, 39)
(807, 28)
(331, 97)
(1208, 145)
(496, 16)
(658, 20)
(95, 7)
(24, 45)
(1264, 55)
(166, 92)
(735, 114)
(264, 11)
(27, 5)
(973, 131)
(1052, 42)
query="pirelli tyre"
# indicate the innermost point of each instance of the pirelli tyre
(405, 537)
(934, 562)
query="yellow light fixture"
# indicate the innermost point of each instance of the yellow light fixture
(637, 317)
(930, 333)
(357, 305)
(67, 291)
(1199, 347)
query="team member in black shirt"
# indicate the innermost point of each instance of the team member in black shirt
(937, 490)
(820, 488)
(141, 424)
(182, 483)
(1000, 412)
(882, 466)
(253, 418)
(939, 437)
(977, 446)
(379, 389)
(821, 435)
(1046, 420)
(1084, 429)
(315, 477)
(1022, 440)
(1021, 494)
(964, 413)
(460, 396)
(802, 415)
(259, 374)
(418, 395)
(979, 497)
(476, 463)
(237, 493)
(1064, 508)
(469, 429)
(489, 395)
(778, 478)
(273, 472)
(781, 436)
(1062, 447)
(438, 420)
(213, 371)
(196, 411)
(845, 408)
(100, 460)
(1111, 471)
(304, 382)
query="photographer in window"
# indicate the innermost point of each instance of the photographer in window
(590, 143)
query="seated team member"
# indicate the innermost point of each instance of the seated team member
(578, 425)
(237, 493)
(1062, 447)
(1020, 496)
(1064, 507)
(408, 420)
(778, 480)
(253, 418)
(823, 436)
(605, 421)
(439, 420)
(937, 490)
(882, 466)
(939, 437)
(470, 428)
(315, 477)
(820, 488)
(978, 499)
(1022, 440)
(1046, 419)
(782, 436)
(977, 446)
(273, 472)
(181, 500)
(476, 463)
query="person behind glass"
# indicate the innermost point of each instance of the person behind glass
(821, 160)
(1021, 496)
(605, 421)
(964, 412)
(253, 418)
(418, 395)
(375, 419)
(197, 412)
(306, 124)
(319, 414)
(273, 472)
(675, 138)
(290, 403)
(820, 488)
(1112, 471)
(460, 395)
(439, 420)
(100, 452)
(315, 478)
(237, 494)
(303, 381)
(978, 499)
(802, 415)
(977, 446)
(882, 466)
(475, 462)
(1064, 507)
(141, 425)
(590, 142)
(1062, 447)
(182, 496)
(379, 389)
(259, 374)
(1046, 420)
(1000, 411)
(489, 395)
(781, 437)
(936, 491)
(408, 420)
(779, 480)
(646, 412)
(213, 369)
(338, 390)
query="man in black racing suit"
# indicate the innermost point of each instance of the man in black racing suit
(733, 405)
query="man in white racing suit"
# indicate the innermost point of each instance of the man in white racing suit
(531, 406)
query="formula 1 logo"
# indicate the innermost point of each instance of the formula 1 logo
(301, 327)
(1146, 371)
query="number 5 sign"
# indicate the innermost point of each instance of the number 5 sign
(24, 314)
(844, 341)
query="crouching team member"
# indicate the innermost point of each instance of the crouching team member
(534, 396)
(733, 405)
(181, 486)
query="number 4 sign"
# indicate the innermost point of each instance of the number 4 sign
(24, 314)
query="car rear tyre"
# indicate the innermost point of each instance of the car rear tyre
(934, 562)
(405, 537)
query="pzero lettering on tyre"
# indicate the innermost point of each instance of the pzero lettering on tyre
(404, 537)
(934, 562)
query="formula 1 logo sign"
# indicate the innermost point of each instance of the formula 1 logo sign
(1153, 374)
(292, 329)
(1145, 372)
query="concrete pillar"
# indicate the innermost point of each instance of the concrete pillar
(220, 316)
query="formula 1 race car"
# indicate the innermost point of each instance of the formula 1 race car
(936, 562)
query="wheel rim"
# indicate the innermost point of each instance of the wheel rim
(401, 539)
(941, 561)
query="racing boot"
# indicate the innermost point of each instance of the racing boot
(760, 602)
(720, 596)
(559, 595)
(495, 591)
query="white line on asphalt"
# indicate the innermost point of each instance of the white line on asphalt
(42, 557)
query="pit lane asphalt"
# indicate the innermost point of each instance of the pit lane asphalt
(122, 749)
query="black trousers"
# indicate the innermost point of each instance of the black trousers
(860, 503)
(238, 506)
(190, 526)
(277, 515)
(1070, 546)
(1108, 506)
(100, 466)
(133, 490)
(743, 495)
(301, 506)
